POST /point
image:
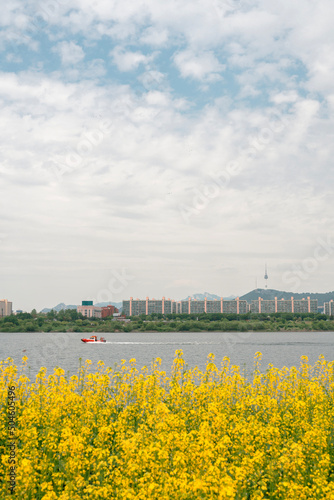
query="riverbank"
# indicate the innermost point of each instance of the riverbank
(322, 326)
(71, 321)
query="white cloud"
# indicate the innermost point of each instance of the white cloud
(70, 53)
(203, 66)
(127, 60)
(118, 196)
(153, 80)
(155, 36)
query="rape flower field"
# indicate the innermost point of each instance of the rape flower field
(129, 433)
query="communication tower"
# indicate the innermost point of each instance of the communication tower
(265, 276)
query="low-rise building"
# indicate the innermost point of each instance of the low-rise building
(88, 310)
(109, 311)
(105, 312)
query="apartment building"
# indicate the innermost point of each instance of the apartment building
(235, 306)
(329, 308)
(292, 305)
(5, 308)
(135, 307)
(190, 306)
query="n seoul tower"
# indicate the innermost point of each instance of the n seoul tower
(265, 276)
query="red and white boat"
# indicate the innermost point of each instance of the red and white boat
(93, 339)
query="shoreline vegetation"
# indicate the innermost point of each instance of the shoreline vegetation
(70, 321)
(133, 432)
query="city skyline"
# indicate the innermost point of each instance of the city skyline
(252, 296)
(152, 148)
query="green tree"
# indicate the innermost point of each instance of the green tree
(40, 321)
(30, 327)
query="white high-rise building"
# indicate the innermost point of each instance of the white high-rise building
(329, 308)
(5, 308)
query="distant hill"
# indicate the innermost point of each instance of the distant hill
(59, 307)
(209, 296)
(269, 294)
(62, 306)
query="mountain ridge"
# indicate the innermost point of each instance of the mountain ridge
(209, 296)
(270, 294)
(62, 306)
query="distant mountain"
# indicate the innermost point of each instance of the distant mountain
(269, 294)
(209, 296)
(62, 306)
(59, 307)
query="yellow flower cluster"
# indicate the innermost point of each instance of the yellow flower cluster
(128, 433)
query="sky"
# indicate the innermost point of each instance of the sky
(153, 148)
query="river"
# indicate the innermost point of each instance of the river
(65, 349)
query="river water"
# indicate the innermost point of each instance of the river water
(65, 349)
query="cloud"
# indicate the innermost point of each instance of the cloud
(203, 66)
(127, 60)
(153, 80)
(70, 53)
(250, 160)
(154, 36)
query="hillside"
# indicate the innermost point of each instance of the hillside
(209, 296)
(63, 307)
(58, 307)
(269, 294)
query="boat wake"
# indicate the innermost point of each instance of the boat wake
(160, 343)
